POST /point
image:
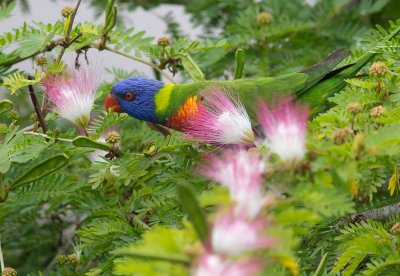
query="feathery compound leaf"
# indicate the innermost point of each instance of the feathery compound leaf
(126, 41)
(57, 67)
(5, 160)
(6, 9)
(384, 141)
(359, 241)
(322, 266)
(17, 81)
(161, 243)
(101, 171)
(104, 122)
(132, 168)
(88, 29)
(50, 187)
(379, 266)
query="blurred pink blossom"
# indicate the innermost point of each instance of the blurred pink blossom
(285, 128)
(234, 234)
(241, 171)
(215, 265)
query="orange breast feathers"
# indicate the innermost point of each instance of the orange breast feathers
(186, 113)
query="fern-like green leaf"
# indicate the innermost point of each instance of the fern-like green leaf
(17, 81)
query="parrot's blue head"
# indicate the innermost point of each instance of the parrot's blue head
(135, 96)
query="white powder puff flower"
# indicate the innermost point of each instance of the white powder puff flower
(73, 94)
(221, 119)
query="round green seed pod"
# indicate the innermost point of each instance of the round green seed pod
(8, 271)
(113, 137)
(67, 11)
(264, 18)
(163, 41)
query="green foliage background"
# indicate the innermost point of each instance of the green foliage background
(123, 216)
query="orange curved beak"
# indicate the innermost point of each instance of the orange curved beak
(111, 103)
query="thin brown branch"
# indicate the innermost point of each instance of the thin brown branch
(36, 106)
(68, 32)
(379, 214)
(382, 213)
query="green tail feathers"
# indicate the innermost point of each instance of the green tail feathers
(334, 81)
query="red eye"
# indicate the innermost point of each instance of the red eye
(130, 96)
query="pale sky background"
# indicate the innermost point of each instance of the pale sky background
(142, 20)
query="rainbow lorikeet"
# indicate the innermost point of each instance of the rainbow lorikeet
(170, 104)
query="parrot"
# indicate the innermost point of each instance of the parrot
(169, 104)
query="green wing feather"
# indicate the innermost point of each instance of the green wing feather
(314, 85)
(250, 90)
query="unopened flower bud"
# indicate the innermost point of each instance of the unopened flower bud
(340, 136)
(377, 111)
(113, 137)
(34, 118)
(40, 61)
(57, 131)
(8, 271)
(149, 143)
(378, 69)
(163, 41)
(264, 18)
(13, 115)
(67, 11)
(354, 108)
(73, 259)
(395, 229)
(3, 128)
(62, 260)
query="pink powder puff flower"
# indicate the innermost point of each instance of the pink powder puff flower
(285, 128)
(216, 265)
(234, 234)
(221, 119)
(241, 171)
(73, 94)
